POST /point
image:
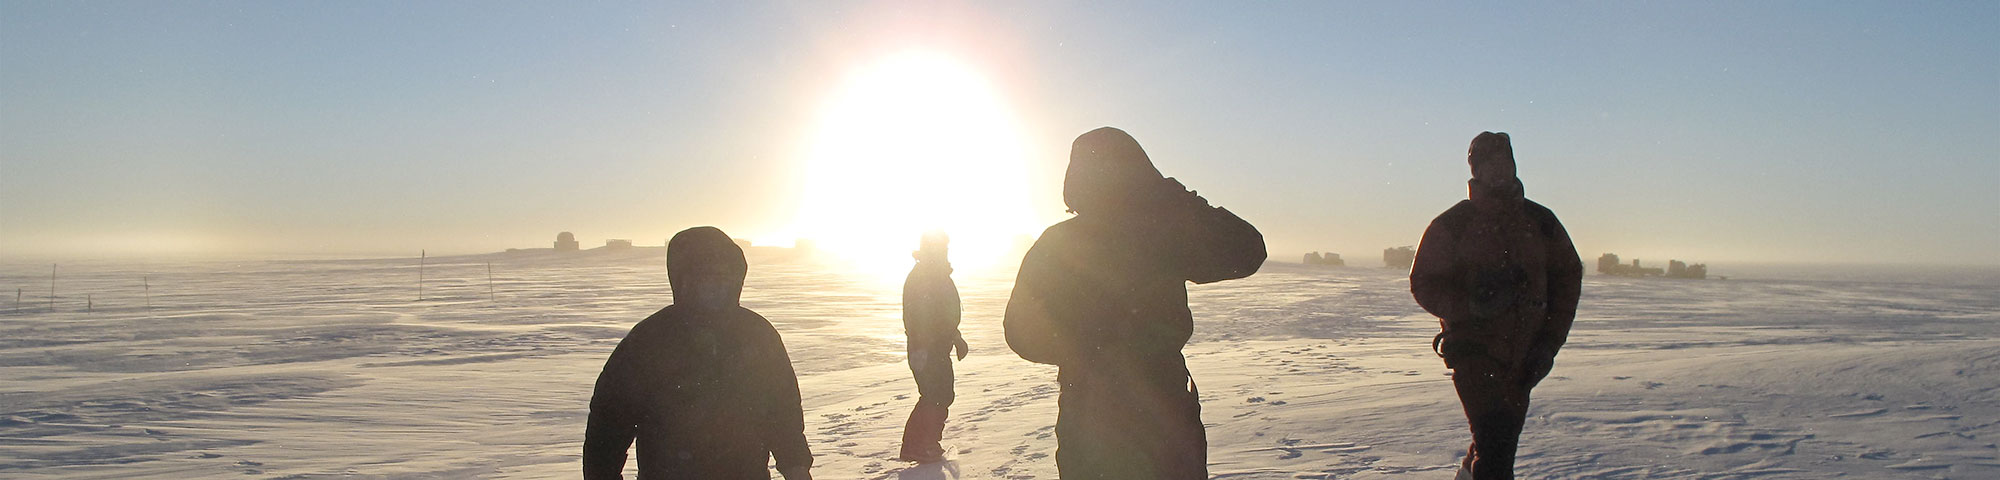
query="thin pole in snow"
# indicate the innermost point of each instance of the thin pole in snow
(148, 283)
(489, 281)
(420, 274)
(52, 288)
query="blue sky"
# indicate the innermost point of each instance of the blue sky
(1719, 132)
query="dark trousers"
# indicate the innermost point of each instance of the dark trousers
(1130, 423)
(1496, 405)
(924, 432)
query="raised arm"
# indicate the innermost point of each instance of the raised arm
(1222, 246)
(612, 424)
(1210, 244)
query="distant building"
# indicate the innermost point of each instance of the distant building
(1676, 269)
(1636, 270)
(1399, 257)
(1645, 270)
(743, 243)
(617, 244)
(1329, 259)
(1608, 264)
(566, 242)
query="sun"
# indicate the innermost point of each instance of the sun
(915, 142)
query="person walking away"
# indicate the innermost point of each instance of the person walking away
(1501, 275)
(703, 385)
(930, 320)
(1103, 296)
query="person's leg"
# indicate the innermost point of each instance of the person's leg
(1511, 418)
(934, 387)
(1488, 394)
(924, 431)
(915, 440)
(1073, 450)
(913, 428)
(1089, 444)
(1130, 426)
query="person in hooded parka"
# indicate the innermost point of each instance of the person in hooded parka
(1103, 295)
(930, 321)
(703, 385)
(1503, 279)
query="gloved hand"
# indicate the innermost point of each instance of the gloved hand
(1172, 192)
(960, 346)
(1456, 350)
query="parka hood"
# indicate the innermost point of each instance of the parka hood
(1494, 182)
(1491, 157)
(705, 268)
(1107, 171)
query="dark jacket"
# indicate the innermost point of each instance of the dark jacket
(1502, 278)
(930, 307)
(1104, 296)
(1114, 278)
(704, 385)
(1091, 287)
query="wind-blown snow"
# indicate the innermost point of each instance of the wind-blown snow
(332, 369)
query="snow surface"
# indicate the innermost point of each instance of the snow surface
(332, 369)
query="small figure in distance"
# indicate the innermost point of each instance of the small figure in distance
(703, 384)
(1500, 274)
(1103, 295)
(930, 320)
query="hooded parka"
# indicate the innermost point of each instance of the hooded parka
(1103, 295)
(703, 385)
(1503, 279)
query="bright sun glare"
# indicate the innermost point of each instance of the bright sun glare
(915, 142)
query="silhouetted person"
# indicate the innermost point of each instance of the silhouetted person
(930, 319)
(703, 384)
(1104, 296)
(1501, 275)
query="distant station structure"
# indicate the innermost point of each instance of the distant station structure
(1399, 257)
(1610, 264)
(1328, 259)
(1676, 269)
(617, 244)
(566, 242)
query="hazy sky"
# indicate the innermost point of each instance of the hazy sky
(1717, 132)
